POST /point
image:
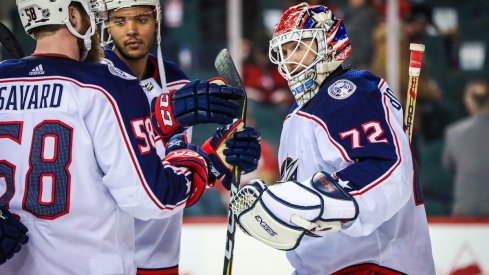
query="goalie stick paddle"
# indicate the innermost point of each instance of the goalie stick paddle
(10, 43)
(415, 60)
(226, 69)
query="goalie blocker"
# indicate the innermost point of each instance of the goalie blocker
(281, 214)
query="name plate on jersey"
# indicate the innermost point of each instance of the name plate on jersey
(31, 96)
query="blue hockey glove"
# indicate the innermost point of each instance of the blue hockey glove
(233, 145)
(197, 102)
(12, 235)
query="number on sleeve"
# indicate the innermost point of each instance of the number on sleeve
(373, 137)
(372, 129)
(355, 137)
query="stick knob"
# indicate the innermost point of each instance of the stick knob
(415, 59)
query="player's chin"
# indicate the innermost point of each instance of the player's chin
(295, 70)
(136, 54)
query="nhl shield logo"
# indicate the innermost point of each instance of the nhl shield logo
(341, 89)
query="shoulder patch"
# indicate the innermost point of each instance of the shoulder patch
(341, 89)
(116, 71)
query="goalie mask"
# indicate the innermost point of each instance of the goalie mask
(38, 13)
(317, 32)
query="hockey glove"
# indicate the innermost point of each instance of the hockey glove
(181, 154)
(12, 235)
(280, 215)
(197, 102)
(233, 145)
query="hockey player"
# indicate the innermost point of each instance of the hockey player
(128, 35)
(348, 201)
(73, 148)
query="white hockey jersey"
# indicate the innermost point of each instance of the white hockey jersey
(157, 241)
(74, 165)
(353, 129)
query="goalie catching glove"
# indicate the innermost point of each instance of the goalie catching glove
(195, 103)
(12, 235)
(233, 145)
(281, 214)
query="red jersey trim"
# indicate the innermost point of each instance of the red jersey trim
(155, 68)
(53, 55)
(176, 83)
(342, 151)
(381, 84)
(364, 269)
(158, 271)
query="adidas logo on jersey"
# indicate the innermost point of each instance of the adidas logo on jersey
(38, 70)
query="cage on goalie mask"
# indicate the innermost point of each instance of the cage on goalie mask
(318, 24)
(38, 13)
(120, 4)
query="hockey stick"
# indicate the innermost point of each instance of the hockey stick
(416, 57)
(225, 67)
(8, 40)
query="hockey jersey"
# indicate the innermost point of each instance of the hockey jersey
(157, 241)
(75, 165)
(353, 129)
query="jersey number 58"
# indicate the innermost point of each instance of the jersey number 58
(48, 169)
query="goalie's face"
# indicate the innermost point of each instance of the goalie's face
(133, 31)
(295, 56)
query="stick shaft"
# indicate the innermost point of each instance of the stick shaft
(411, 105)
(8, 40)
(416, 59)
(225, 67)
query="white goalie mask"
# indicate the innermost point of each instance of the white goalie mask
(120, 4)
(38, 13)
(317, 30)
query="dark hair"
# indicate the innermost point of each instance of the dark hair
(480, 99)
(420, 12)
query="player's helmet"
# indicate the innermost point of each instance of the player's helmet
(333, 47)
(120, 4)
(37, 13)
